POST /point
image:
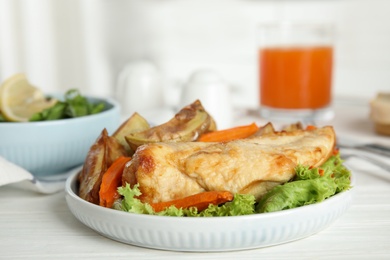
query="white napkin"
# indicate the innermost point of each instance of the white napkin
(12, 174)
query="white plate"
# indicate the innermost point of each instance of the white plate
(211, 233)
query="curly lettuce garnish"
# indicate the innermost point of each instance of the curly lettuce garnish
(310, 185)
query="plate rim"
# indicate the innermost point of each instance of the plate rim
(208, 234)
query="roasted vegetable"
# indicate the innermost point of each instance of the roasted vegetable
(135, 124)
(111, 180)
(200, 201)
(293, 127)
(264, 130)
(269, 129)
(102, 154)
(230, 134)
(187, 125)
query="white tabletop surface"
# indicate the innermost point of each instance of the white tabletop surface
(36, 226)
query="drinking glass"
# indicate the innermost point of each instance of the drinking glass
(295, 71)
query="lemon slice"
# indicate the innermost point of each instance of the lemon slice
(19, 100)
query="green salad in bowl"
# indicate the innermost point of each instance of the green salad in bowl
(50, 134)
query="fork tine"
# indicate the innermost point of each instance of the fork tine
(369, 159)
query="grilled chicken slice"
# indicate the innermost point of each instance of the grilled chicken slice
(167, 171)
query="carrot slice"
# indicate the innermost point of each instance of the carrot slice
(200, 200)
(311, 127)
(111, 180)
(230, 134)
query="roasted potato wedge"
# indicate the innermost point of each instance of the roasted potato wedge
(266, 129)
(102, 154)
(293, 127)
(135, 124)
(269, 129)
(185, 126)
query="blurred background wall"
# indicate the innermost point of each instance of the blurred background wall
(84, 44)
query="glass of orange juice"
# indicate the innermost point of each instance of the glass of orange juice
(295, 71)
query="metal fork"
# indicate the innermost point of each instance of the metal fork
(369, 159)
(370, 147)
(52, 184)
(48, 187)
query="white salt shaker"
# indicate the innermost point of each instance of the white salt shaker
(139, 87)
(207, 86)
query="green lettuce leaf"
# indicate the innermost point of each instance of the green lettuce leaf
(130, 203)
(310, 185)
(296, 193)
(242, 204)
(75, 105)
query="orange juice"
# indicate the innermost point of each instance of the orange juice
(295, 77)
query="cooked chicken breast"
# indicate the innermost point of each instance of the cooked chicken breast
(167, 171)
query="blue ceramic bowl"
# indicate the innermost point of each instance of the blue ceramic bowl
(53, 147)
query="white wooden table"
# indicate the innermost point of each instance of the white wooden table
(34, 226)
